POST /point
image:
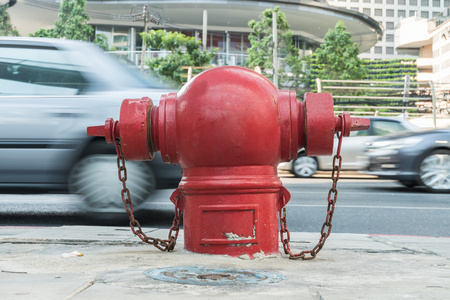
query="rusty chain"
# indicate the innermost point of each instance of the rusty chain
(326, 227)
(163, 245)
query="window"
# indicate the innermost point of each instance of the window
(412, 13)
(425, 3)
(354, 8)
(378, 12)
(217, 40)
(389, 50)
(390, 2)
(413, 2)
(401, 2)
(401, 13)
(389, 37)
(446, 3)
(424, 14)
(390, 13)
(38, 71)
(366, 11)
(389, 25)
(235, 45)
(379, 1)
(436, 3)
(354, 1)
(378, 50)
(384, 127)
(369, 1)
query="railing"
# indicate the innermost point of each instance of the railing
(221, 58)
(388, 98)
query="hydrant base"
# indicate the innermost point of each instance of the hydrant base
(240, 219)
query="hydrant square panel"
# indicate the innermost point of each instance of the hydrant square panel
(229, 224)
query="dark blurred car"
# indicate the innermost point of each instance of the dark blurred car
(418, 158)
(352, 150)
(51, 90)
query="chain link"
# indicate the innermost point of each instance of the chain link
(326, 227)
(163, 245)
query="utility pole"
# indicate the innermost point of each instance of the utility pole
(147, 18)
(205, 29)
(275, 48)
(144, 46)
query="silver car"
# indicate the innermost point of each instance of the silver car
(353, 148)
(51, 90)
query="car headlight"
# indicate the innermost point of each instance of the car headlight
(396, 144)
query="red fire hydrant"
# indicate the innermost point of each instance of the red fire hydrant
(228, 129)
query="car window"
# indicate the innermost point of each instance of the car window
(380, 127)
(360, 133)
(38, 70)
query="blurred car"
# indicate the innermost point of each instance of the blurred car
(418, 158)
(51, 90)
(352, 150)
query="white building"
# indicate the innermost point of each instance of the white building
(389, 13)
(227, 21)
(431, 40)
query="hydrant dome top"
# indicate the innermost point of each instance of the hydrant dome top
(231, 113)
(233, 71)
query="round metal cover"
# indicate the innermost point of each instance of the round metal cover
(201, 275)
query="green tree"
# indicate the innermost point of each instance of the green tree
(102, 41)
(337, 57)
(261, 51)
(6, 28)
(184, 51)
(72, 23)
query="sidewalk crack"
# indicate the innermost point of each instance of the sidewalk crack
(403, 249)
(80, 290)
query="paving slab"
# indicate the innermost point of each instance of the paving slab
(35, 264)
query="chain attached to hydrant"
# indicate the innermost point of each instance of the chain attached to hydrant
(332, 198)
(163, 245)
(228, 129)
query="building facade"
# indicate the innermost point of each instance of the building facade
(431, 39)
(226, 22)
(389, 13)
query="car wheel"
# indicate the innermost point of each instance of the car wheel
(95, 178)
(434, 171)
(304, 166)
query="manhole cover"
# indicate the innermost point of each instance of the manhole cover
(213, 276)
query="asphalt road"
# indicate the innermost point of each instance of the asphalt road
(364, 205)
(369, 206)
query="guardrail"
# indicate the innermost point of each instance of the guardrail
(221, 58)
(364, 97)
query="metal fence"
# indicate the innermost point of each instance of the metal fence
(388, 98)
(221, 58)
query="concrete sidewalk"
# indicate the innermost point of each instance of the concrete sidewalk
(115, 262)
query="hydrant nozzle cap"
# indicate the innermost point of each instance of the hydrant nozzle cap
(104, 130)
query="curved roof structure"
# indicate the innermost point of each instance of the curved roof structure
(310, 19)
